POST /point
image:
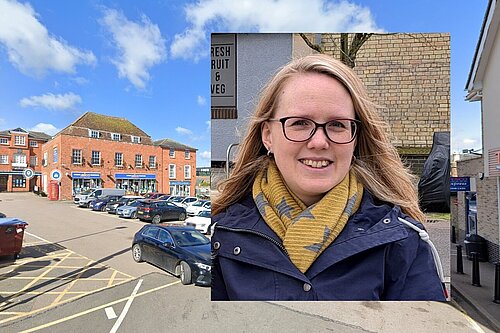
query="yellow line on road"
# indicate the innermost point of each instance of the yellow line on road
(112, 279)
(41, 292)
(100, 307)
(63, 278)
(74, 279)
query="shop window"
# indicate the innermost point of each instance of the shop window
(171, 152)
(4, 141)
(94, 134)
(187, 172)
(138, 161)
(4, 159)
(33, 143)
(96, 157)
(56, 155)
(116, 136)
(171, 171)
(186, 154)
(77, 156)
(136, 139)
(152, 162)
(18, 181)
(19, 140)
(33, 161)
(119, 159)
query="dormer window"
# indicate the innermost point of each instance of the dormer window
(4, 141)
(19, 140)
(33, 143)
(94, 134)
(116, 136)
(136, 139)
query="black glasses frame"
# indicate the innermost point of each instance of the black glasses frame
(354, 127)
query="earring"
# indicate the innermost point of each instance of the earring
(269, 153)
(353, 159)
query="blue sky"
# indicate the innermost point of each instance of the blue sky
(148, 60)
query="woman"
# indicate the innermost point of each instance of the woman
(319, 205)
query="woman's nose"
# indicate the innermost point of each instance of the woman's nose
(319, 140)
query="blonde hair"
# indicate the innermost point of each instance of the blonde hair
(377, 165)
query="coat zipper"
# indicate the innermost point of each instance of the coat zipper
(272, 240)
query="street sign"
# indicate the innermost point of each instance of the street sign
(459, 184)
(55, 174)
(28, 173)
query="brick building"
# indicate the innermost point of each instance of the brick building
(111, 152)
(20, 149)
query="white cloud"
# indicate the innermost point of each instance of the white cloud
(140, 46)
(183, 131)
(80, 80)
(206, 155)
(266, 16)
(209, 125)
(29, 45)
(45, 128)
(51, 101)
(201, 100)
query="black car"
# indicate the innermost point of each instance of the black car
(100, 203)
(158, 210)
(181, 251)
(113, 205)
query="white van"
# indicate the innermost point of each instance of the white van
(84, 198)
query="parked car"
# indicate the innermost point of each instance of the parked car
(125, 200)
(129, 210)
(100, 204)
(84, 198)
(153, 195)
(181, 251)
(200, 222)
(183, 201)
(197, 207)
(158, 210)
(2, 215)
(165, 197)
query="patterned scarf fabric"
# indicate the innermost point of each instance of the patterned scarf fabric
(305, 231)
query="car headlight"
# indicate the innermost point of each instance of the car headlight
(203, 266)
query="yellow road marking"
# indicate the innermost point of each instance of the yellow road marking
(76, 278)
(112, 279)
(63, 278)
(100, 307)
(41, 292)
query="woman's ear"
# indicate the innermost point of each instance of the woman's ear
(265, 131)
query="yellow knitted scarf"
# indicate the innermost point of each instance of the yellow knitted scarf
(305, 231)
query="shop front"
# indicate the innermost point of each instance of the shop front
(181, 188)
(85, 180)
(137, 183)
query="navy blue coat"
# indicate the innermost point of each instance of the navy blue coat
(375, 257)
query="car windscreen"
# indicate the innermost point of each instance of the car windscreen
(204, 213)
(199, 203)
(189, 238)
(85, 192)
(177, 199)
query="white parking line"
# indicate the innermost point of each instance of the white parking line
(125, 309)
(110, 313)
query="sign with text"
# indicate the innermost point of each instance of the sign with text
(86, 175)
(135, 176)
(223, 70)
(458, 184)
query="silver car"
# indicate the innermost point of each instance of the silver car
(129, 211)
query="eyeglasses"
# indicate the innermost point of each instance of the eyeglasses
(298, 129)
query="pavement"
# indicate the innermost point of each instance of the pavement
(477, 299)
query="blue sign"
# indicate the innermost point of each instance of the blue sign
(176, 182)
(86, 175)
(459, 184)
(55, 174)
(135, 176)
(28, 173)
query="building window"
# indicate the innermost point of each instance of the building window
(138, 161)
(136, 139)
(94, 134)
(19, 159)
(186, 154)
(4, 159)
(33, 161)
(4, 141)
(96, 157)
(18, 181)
(116, 136)
(171, 171)
(119, 159)
(187, 172)
(76, 156)
(33, 143)
(19, 140)
(152, 162)
(171, 152)
(56, 155)
(45, 161)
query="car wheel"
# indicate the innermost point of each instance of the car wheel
(156, 219)
(137, 253)
(134, 215)
(182, 217)
(103, 208)
(185, 272)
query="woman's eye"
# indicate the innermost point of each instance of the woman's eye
(336, 124)
(300, 122)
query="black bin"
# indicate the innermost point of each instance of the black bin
(476, 243)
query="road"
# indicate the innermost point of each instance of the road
(76, 273)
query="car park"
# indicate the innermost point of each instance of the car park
(153, 195)
(200, 222)
(178, 250)
(197, 207)
(84, 198)
(158, 210)
(125, 200)
(100, 204)
(130, 210)
(183, 201)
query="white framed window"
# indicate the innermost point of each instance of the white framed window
(45, 161)
(171, 152)
(33, 143)
(187, 156)
(187, 172)
(116, 136)
(119, 159)
(136, 139)
(171, 171)
(152, 162)
(94, 134)
(19, 158)
(138, 160)
(4, 141)
(33, 160)
(19, 140)
(96, 157)
(4, 159)
(55, 155)
(76, 156)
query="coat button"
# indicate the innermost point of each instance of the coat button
(386, 221)
(216, 245)
(236, 250)
(307, 287)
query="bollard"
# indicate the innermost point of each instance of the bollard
(460, 263)
(497, 283)
(476, 280)
(453, 235)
